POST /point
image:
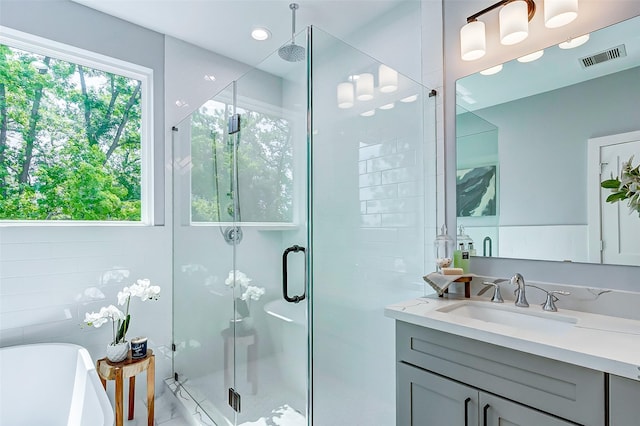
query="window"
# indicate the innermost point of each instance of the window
(265, 167)
(75, 134)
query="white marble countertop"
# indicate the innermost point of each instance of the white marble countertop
(599, 342)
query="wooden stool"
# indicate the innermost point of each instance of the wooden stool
(118, 371)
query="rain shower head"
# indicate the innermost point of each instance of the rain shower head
(292, 52)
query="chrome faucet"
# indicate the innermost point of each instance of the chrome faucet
(550, 303)
(521, 298)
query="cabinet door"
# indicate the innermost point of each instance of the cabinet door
(495, 411)
(426, 399)
(624, 401)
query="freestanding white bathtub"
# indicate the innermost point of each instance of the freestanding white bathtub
(53, 384)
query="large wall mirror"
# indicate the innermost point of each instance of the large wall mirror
(535, 140)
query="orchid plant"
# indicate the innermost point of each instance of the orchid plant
(120, 320)
(249, 292)
(626, 187)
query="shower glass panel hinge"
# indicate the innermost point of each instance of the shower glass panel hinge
(234, 124)
(173, 347)
(234, 400)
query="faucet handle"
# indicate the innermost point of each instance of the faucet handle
(550, 303)
(497, 297)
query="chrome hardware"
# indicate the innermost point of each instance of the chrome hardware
(497, 297)
(521, 298)
(550, 303)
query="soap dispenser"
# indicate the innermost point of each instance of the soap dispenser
(443, 249)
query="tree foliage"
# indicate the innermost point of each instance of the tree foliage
(265, 166)
(69, 140)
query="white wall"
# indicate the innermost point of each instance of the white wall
(45, 270)
(594, 14)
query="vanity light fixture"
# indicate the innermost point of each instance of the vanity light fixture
(387, 79)
(345, 95)
(260, 34)
(514, 23)
(574, 42)
(492, 70)
(558, 13)
(531, 56)
(364, 87)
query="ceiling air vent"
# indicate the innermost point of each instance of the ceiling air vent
(604, 56)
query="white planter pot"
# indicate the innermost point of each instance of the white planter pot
(118, 352)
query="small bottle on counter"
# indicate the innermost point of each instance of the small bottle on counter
(461, 258)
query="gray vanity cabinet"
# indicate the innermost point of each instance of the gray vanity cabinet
(426, 399)
(445, 379)
(624, 401)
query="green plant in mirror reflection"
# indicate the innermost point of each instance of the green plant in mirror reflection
(626, 187)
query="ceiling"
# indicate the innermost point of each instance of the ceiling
(224, 26)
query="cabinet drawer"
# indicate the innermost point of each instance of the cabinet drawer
(562, 389)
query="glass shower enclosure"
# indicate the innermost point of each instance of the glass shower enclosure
(298, 215)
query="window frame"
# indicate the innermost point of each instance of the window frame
(43, 46)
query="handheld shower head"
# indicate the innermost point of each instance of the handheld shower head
(292, 52)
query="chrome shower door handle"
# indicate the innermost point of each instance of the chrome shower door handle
(285, 290)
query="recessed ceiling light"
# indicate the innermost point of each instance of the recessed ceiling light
(388, 106)
(260, 33)
(181, 104)
(492, 70)
(210, 77)
(531, 56)
(574, 42)
(368, 113)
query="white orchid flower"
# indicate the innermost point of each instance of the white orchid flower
(123, 296)
(96, 319)
(252, 292)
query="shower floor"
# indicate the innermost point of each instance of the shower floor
(275, 403)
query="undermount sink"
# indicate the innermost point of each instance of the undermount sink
(530, 319)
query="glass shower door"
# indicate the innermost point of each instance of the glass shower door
(271, 305)
(240, 237)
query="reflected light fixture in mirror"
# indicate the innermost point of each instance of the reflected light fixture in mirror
(408, 99)
(369, 113)
(387, 106)
(531, 56)
(345, 95)
(492, 70)
(387, 79)
(364, 87)
(514, 23)
(559, 12)
(574, 42)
